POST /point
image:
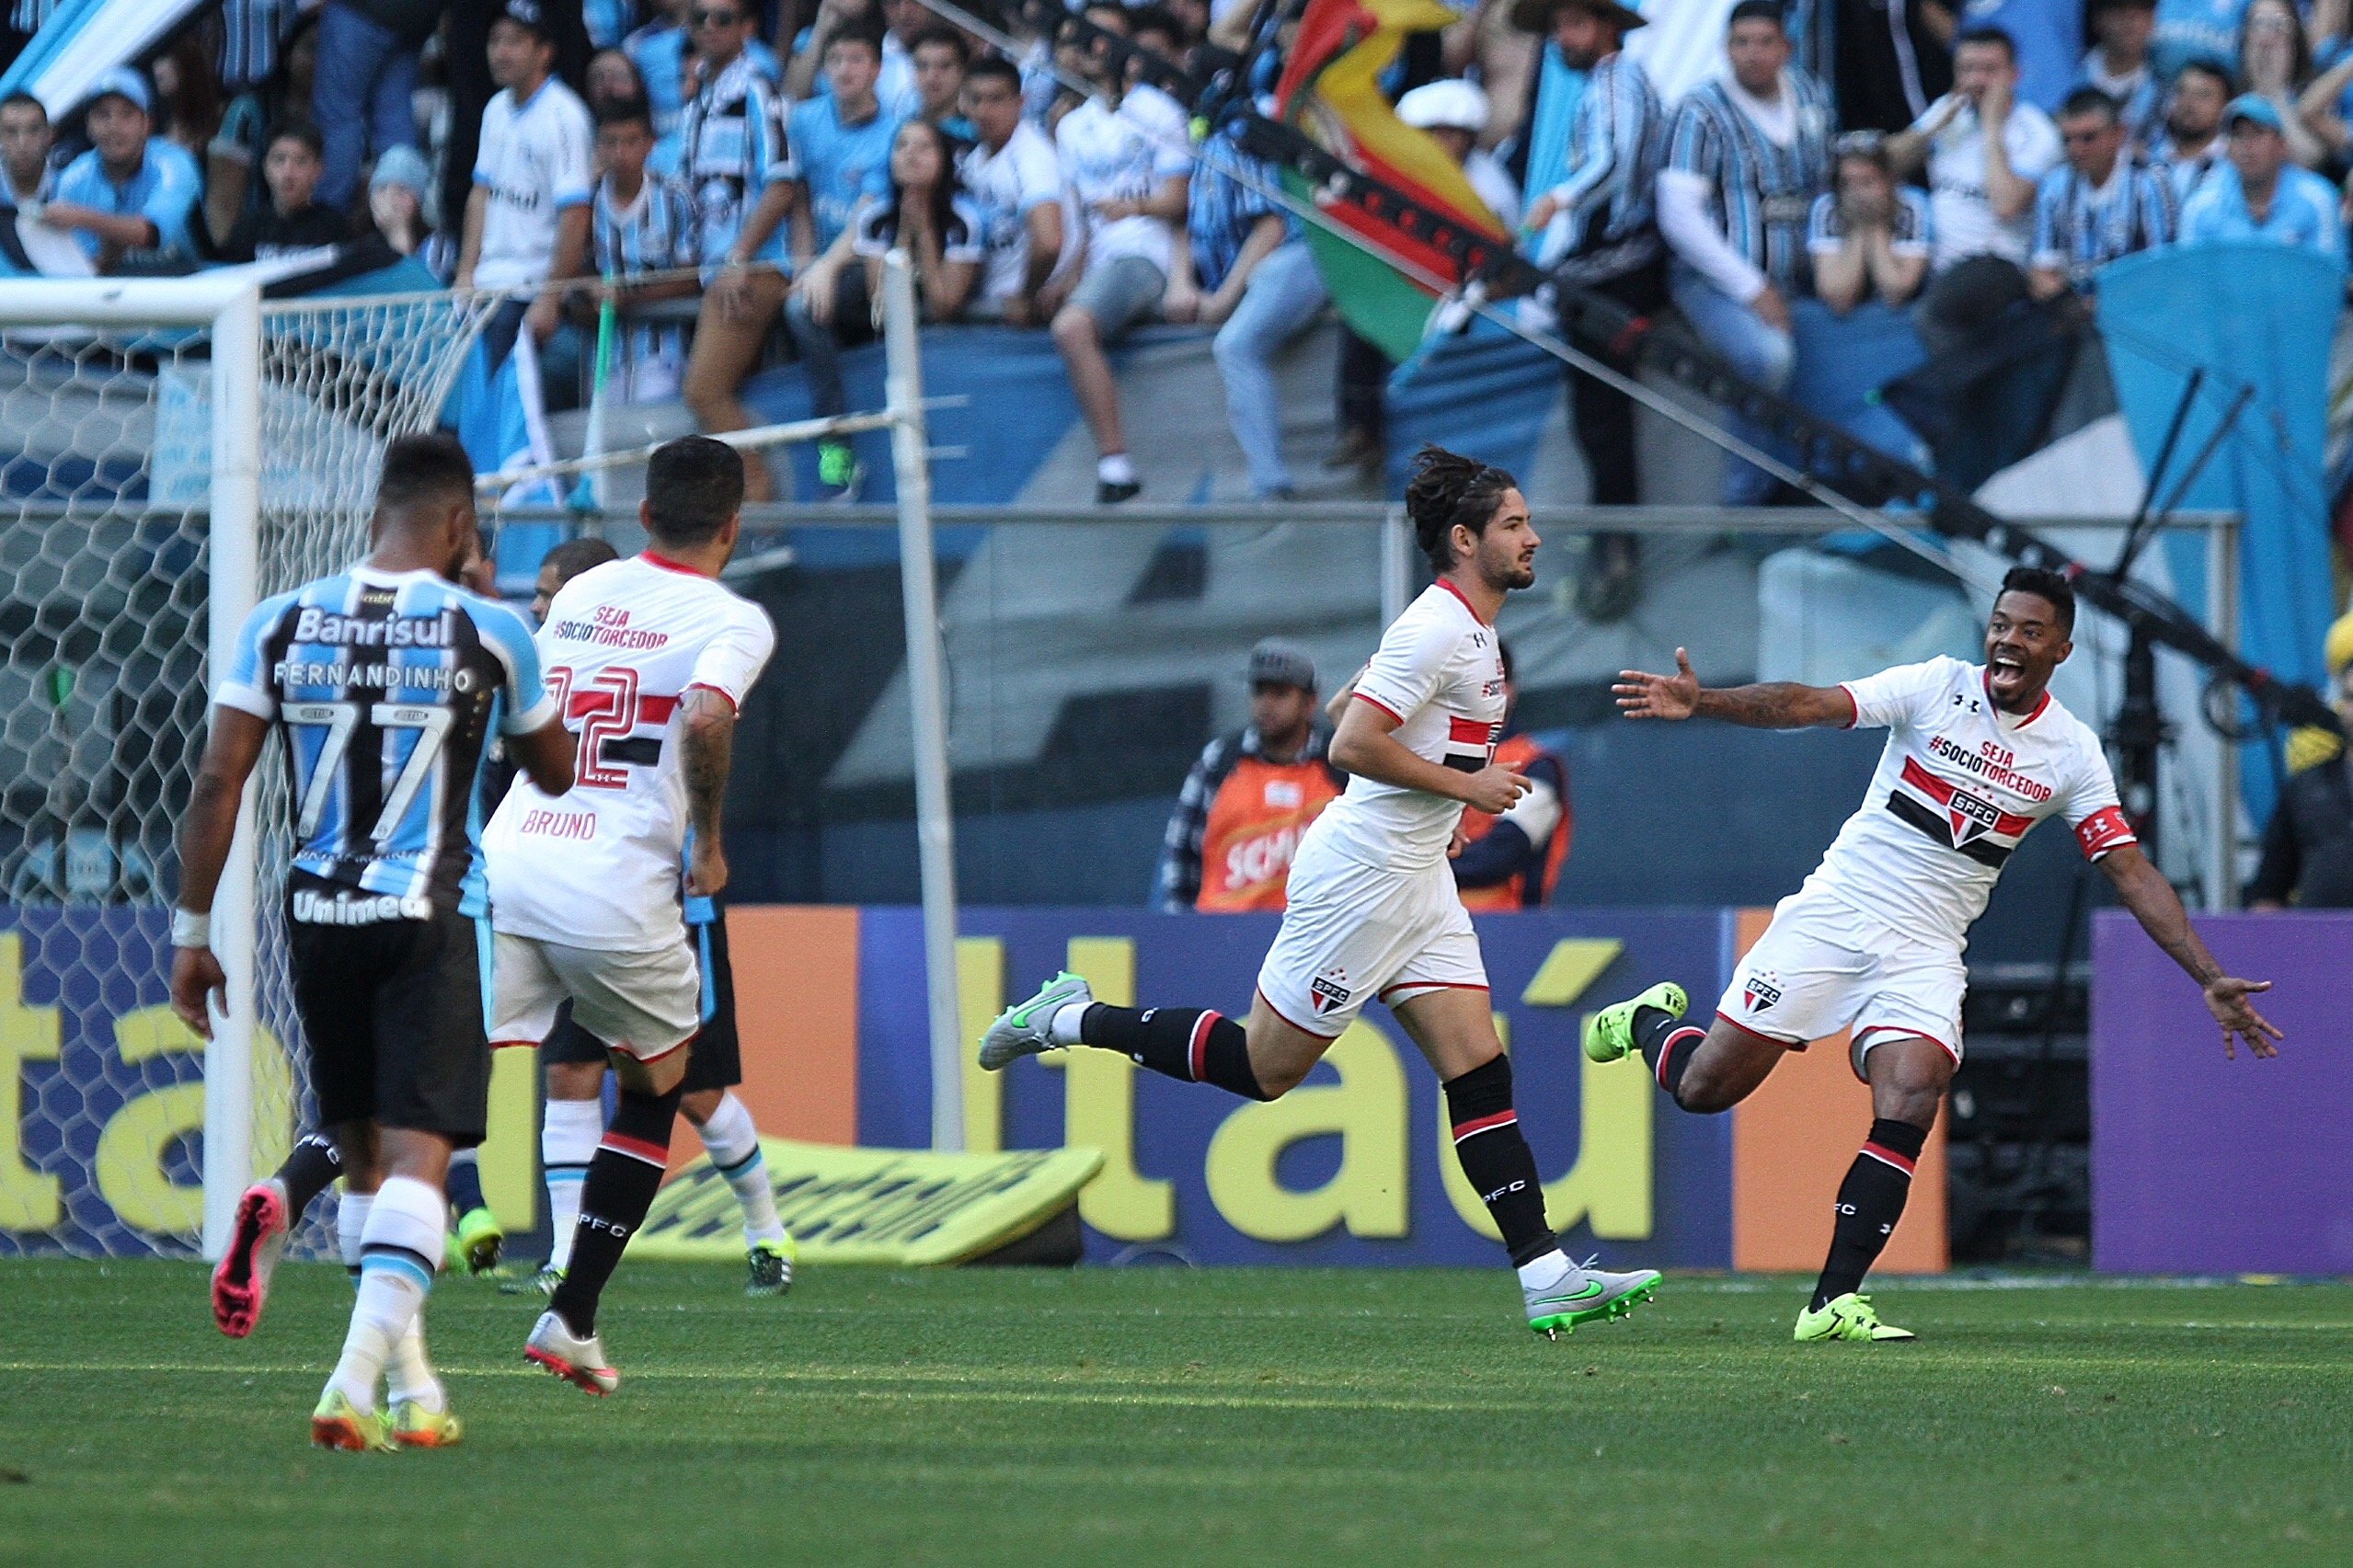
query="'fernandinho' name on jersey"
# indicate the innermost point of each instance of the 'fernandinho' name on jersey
(1958, 785)
(387, 686)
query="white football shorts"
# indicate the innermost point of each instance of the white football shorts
(1823, 965)
(647, 1004)
(1353, 932)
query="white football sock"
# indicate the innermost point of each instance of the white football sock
(1063, 1028)
(408, 1375)
(1544, 1273)
(1115, 468)
(733, 1143)
(400, 1247)
(351, 1223)
(568, 1141)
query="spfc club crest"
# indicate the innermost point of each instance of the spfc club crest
(1761, 992)
(1971, 817)
(1329, 990)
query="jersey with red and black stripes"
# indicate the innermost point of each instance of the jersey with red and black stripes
(1440, 675)
(1959, 783)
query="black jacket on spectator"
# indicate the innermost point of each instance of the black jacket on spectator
(1886, 67)
(2308, 847)
(260, 235)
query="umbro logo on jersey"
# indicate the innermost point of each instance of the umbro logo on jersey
(1763, 988)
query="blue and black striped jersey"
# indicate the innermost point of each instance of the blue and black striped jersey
(388, 686)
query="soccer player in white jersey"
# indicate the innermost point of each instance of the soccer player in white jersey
(651, 658)
(1372, 908)
(1976, 755)
(388, 680)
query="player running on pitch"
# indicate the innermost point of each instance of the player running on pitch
(1372, 906)
(651, 658)
(388, 680)
(1976, 755)
(574, 1060)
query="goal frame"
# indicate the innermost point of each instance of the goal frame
(229, 308)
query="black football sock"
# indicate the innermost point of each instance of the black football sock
(1189, 1043)
(465, 1182)
(1667, 1044)
(314, 1163)
(1870, 1201)
(621, 1181)
(1496, 1158)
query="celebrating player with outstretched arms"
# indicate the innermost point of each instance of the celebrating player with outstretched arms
(386, 679)
(651, 658)
(1976, 755)
(1372, 908)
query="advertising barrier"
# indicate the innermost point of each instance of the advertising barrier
(2206, 1165)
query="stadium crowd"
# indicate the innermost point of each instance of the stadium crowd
(731, 171)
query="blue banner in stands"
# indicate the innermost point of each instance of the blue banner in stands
(1356, 1166)
(2243, 314)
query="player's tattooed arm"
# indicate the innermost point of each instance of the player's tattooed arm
(2154, 902)
(1772, 705)
(706, 751)
(206, 830)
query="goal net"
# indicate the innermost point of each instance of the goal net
(174, 449)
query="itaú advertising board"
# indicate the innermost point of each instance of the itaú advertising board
(1356, 1166)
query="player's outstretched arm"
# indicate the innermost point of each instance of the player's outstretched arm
(206, 830)
(707, 743)
(2154, 904)
(1774, 704)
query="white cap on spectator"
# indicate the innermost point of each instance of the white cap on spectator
(123, 83)
(402, 165)
(1453, 103)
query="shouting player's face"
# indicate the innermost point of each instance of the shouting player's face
(1505, 555)
(2024, 641)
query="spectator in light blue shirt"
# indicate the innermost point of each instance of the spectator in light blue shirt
(2192, 30)
(2261, 195)
(131, 193)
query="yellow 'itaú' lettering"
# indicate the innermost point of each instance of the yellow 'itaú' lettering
(1609, 1185)
(28, 1200)
(1099, 1108)
(131, 1150)
(1366, 1108)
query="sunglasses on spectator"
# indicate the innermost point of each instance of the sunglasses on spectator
(717, 19)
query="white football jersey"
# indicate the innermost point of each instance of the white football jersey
(597, 868)
(1958, 785)
(1439, 674)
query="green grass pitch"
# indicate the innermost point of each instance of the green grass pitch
(1155, 1417)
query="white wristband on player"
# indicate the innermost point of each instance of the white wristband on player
(190, 929)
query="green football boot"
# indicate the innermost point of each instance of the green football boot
(1609, 1033)
(1847, 1317)
(1586, 1295)
(1026, 1028)
(479, 1241)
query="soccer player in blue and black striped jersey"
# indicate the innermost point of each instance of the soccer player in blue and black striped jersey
(387, 681)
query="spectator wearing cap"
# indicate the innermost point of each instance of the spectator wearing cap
(1244, 271)
(396, 192)
(2100, 204)
(362, 95)
(1870, 237)
(737, 167)
(293, 220)
(2260, 195)
(527, 217)
(2308, 844)
(1514, 861)
(1747, 155)
(1985, 153)
(2192, 143)
(1252, 795)
(1598, 231)
(2118, 63)
(131, 198)
(1454, 113)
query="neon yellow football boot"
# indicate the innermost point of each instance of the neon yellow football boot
(478, 1241)
(338, 1424)
(771, 1266)
(1609, 1033)
(414, 1426)
(1847, 1317)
